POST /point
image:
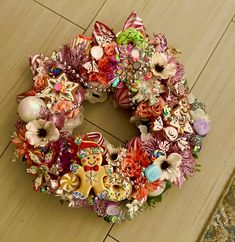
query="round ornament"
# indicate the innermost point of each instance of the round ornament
(29, 108)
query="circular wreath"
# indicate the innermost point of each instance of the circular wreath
(141, 74)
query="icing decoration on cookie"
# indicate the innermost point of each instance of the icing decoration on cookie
(91, 171)
(59, 89)
(119, 188)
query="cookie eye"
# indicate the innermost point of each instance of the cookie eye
(88, 158)
(94, 157)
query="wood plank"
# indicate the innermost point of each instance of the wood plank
(78, 11)
(31, 216)
(110, 239)
(193, 26)
(183, 213)
(25, 28)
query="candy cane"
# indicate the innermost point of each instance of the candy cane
(134, 21)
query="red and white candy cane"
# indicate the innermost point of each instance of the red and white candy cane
(98, 138)
(135, 143)
(135, 22)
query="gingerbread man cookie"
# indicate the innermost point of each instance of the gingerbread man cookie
(91, 172)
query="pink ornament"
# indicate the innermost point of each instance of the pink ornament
(121, 98)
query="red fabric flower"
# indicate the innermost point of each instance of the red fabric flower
(134, 162)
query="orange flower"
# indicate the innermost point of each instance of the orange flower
(39, 82)
(141, 194)
(109, 48)
(66, 105)
(98, 77)
(156, 109)
(103, 63)
(19, 142)
(143, 110)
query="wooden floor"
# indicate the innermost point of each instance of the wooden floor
(205, 32)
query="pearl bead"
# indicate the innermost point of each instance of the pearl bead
(29, 108)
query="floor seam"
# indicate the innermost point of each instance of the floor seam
(94, 16)
(104, 130)
(5, 149)
(44, 6)
(108, 232)
(213, 51)
(113, 238)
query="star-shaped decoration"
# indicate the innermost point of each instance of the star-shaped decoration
(59, 88)
(149, 91)
(91, 177)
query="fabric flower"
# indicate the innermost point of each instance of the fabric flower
(143, 111)
(61, 106)
(187, 167)
(114, 154)
(39, 82)
(142, 193)
(98, 77)
(169, 166)
(133, 207)
(201, 127)
(160, 66)
(40, 132)
(199, 114)
(18, 139)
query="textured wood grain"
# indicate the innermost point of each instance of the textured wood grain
(78, 11)
(31, 216)
(26, 28)
(193, 26)
(183, 213)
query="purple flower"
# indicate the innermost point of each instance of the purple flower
(201, 127)
(187, 167)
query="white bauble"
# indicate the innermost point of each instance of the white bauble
(159, 190)
(29, 108)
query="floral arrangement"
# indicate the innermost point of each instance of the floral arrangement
(140, 73)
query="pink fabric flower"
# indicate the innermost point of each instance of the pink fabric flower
(66, 105)
(187, 167)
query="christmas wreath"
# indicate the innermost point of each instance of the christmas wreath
(140, 73)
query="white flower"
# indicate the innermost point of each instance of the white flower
(144, 133)
(169, 166)
(40, 132)
(133, 207)
(199, 114)
(114, 155)
(160, 66)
